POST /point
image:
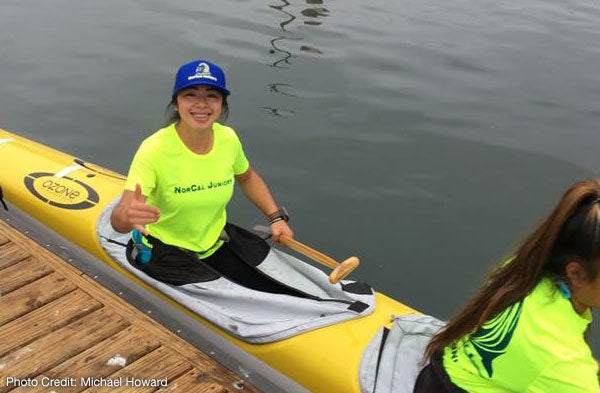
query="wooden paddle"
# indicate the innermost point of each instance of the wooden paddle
(340, 270)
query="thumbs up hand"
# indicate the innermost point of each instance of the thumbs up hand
(139, 213)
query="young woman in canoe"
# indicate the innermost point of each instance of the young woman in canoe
(179, 184)
(523, 331)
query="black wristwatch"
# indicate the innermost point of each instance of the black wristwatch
(280, 214)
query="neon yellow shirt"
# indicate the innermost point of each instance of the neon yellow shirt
(537, 346)
(190, 190)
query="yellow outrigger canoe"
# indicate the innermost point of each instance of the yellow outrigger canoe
(67, 195)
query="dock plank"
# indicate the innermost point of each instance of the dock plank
(11, 253)
(22, 273)
(46, 319)
(158, 364)
(3, 239)
(129, 344)
(52, 349)
(33, 296)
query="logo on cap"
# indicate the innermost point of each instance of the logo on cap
(202, 71)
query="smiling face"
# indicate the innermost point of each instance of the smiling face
(199, 106)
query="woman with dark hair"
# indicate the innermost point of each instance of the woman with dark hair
(523, 331)
(180, 182)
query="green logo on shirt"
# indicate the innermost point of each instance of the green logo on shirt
(493, 338)
(201, 187)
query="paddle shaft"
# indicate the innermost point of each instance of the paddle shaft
(309, 252)
(340, 270)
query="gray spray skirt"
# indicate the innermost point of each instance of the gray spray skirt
(393, 359)
(255, 316)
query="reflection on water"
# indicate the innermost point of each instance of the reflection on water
(311, 14)
(310, 49)
(289, 18)
(315, 13)
(278, 112)
(279, 88)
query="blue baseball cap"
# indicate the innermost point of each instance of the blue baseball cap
(199, 72)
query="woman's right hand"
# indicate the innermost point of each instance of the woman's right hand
(139, 213)
(134, 212)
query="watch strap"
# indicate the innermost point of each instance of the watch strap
(280, 214)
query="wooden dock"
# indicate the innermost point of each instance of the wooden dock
(61, 329)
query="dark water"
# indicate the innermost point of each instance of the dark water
(426, 136)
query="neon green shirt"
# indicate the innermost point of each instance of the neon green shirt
(190, 190)
(537, 346)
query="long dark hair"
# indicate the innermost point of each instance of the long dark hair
(173, 115)
(570, 233)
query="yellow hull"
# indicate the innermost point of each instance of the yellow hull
(67, 195)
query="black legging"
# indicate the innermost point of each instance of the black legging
(433, 378)
(230, 265)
